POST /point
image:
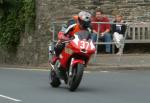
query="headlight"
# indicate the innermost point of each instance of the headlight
(83, 51)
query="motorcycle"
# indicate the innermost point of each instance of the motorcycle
(70, 64)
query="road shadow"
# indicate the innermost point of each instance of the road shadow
(81, 89)
(65, 88)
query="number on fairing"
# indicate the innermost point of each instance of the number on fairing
(84, 44)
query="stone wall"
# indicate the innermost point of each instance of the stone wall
(33, 48)
(47, 10)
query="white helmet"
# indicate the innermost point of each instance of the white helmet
(83, 15)
(84, 19)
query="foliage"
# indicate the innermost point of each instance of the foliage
(17, 14)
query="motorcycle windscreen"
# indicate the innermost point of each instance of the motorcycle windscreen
(83, 35)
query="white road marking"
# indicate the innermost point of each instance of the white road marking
(87, 72)
(13, 99)
(104, 71)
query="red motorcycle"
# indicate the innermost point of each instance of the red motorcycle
(72, 61)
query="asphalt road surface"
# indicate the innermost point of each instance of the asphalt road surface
(30, 86)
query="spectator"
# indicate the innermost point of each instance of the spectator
(104, 29)
(118, 33)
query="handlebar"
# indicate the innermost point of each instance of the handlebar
(67, 41)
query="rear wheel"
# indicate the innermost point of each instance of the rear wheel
(54, 80)
(76, 77)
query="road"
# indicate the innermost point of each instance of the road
(32, 86)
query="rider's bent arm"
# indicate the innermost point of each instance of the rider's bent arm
(70, 28)
(62, 35)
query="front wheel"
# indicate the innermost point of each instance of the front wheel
(76, 77)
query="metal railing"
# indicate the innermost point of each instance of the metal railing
(130, 32)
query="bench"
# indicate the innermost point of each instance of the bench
(135, 33)
(138, 33)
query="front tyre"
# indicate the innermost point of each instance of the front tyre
(76, 77)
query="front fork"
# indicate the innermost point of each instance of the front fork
(73, 63)
(70, 68)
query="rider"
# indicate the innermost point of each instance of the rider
(73, 20)
(83, 23)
